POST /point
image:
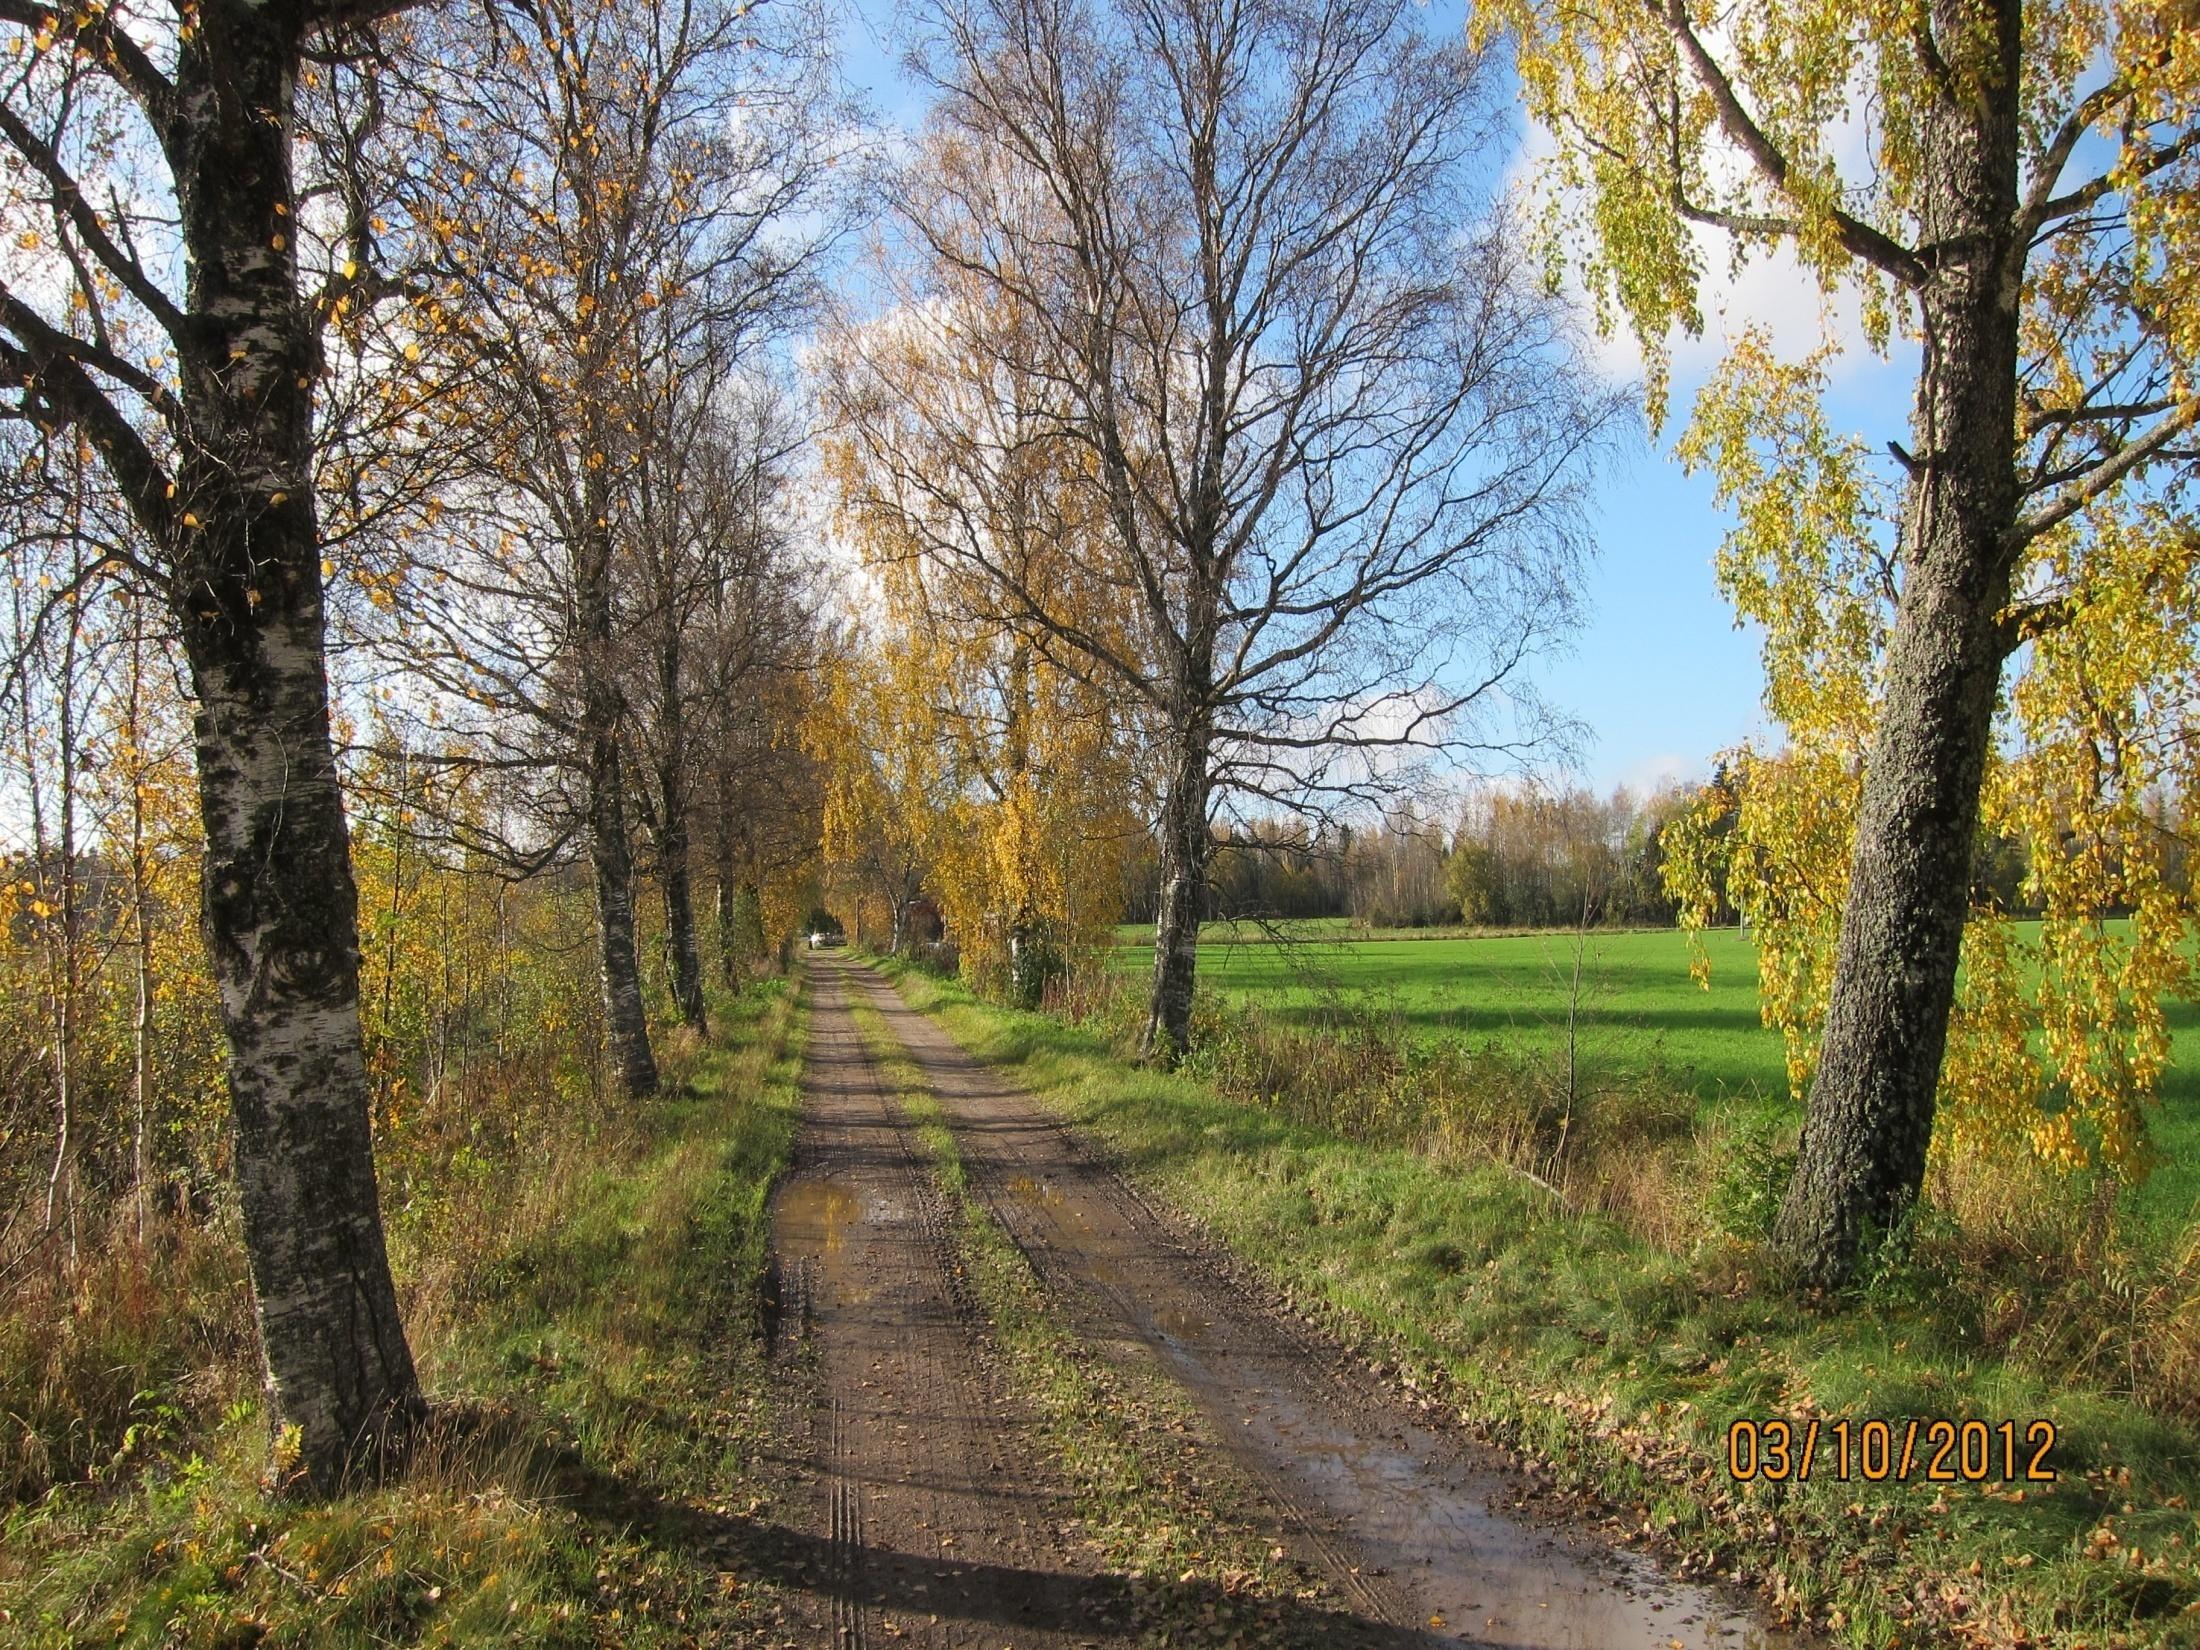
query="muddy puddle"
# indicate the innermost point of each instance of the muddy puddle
(811, 1217)
(811, 1222)
(1415, 1507)
(1494, 1579)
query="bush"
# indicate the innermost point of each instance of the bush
(941, 957)
(1035, 962)
(1751, 1159)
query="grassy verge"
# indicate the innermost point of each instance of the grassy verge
(1158, 1510)
(597, 1379)
(1639, 1014)
(1621, 1366)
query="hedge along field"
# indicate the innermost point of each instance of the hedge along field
(1639, 1011)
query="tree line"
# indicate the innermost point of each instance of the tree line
(1538, 857)
(1506, 857)
(399, 445)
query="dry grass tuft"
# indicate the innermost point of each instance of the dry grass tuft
(135, 1342)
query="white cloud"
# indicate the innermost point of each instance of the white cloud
(1771, 290)
(1655, 773)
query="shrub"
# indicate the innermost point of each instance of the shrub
(1751, 1159)
(941, 957)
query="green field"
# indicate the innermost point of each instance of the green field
(1638, 1009)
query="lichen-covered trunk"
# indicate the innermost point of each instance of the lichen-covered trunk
(1033, 961)
(610, 842)
(611, 856)
(1183, 902)
(1870, 1120)
(679, 890)
(281, 907)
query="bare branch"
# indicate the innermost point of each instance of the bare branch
(2102, 477)
(108, 45)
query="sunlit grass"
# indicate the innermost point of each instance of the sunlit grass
(1638, 1012)
(591, 1355)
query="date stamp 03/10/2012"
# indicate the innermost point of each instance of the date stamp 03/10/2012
(1925, 1451)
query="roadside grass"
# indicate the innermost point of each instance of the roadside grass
(1621, 1364)
(1158, 1510)
(1641, 1016)
(584, 1315)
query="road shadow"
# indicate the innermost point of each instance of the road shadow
(917, 1585)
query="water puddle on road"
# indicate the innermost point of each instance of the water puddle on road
(812, 1218)
(1411, 1507)
(1179, 1326)
(1027, 1190)
(882, 1209)
(1415, 1512)
(810, 1221)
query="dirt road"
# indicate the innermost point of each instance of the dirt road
(943, 1523)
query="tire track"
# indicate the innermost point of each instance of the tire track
(1406, 1522)
(933, 1524)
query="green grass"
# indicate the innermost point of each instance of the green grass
(597, 1378)
(1622, 1365)
(1639, 1011)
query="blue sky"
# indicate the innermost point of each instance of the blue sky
(1659, 675)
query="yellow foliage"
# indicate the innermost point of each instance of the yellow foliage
(957, 751)
(2058, 1037)
(1829, 129)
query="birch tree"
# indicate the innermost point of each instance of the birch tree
(717, 591)
(153, 303)
(2010, 186)
(585, 171)
(1332, 420)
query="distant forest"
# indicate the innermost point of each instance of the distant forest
(1508, 858)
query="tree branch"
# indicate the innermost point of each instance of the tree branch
(2104, 475)
(122, 58)
(1859, 238)
(2108, 183)
(58, 380)
(69, 199)
(42, 339)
